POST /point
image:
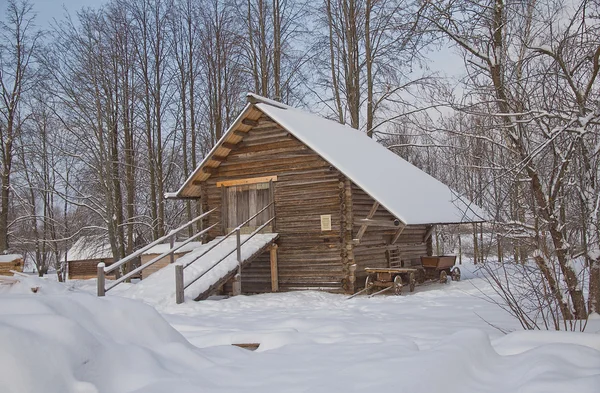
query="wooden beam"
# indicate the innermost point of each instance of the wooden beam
(366, 222)
(251, 180)
(249, 122)
(398, 233)
(428, 233)
(239, 133)
(218, 158)
(363, 228)
(209, 170)
(274, 271)
(197, 182)
(228, 145)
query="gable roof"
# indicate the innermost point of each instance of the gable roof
(404, 190)
(90, 248)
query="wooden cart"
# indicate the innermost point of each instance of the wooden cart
(394, 278)
(440, 267)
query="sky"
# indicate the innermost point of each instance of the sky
(47, 10)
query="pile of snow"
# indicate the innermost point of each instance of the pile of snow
(439, 339)
(59, 341)
(159, 288)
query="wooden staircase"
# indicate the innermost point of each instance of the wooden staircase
(247, 258)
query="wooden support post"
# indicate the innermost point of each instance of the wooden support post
(172, 245)
(428, 233)
(274, 272)
(398, 233)
(352, 284)
(363, 228)
(237, 285)
(100, 281)
(179, 294)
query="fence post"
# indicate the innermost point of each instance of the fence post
(179, 284)
(100, 281)
(172, 244)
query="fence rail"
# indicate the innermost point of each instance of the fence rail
(103, 270)
(179, 281)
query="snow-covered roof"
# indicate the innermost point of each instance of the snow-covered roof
(162, 248)
(7, 258)
(404, 190)
(90, 247)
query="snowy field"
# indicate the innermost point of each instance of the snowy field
(442, 338)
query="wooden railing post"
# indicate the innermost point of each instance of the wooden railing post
(237, 284)
(179, 298)
(100, 281)
(172, 245)
(274, 272)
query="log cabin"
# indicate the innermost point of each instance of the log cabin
(85, 254)
(10, 263)
(341, 201)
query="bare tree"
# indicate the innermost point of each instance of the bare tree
(18, 43)
(539, 63)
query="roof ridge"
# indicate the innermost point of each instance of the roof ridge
(254, 98)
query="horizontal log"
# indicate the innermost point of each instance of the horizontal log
(377, 223)
(249, 122)
(229, 145)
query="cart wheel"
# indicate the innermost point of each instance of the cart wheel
(456, 274)
(443, 277)
(411, 281)
(397, 285)
(368, 284)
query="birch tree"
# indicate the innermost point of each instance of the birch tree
(539, 64)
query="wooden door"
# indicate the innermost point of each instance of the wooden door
(242, 202)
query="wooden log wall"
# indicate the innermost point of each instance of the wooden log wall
(373, 248)
(82, 270)
(6, 267)
(306, 188)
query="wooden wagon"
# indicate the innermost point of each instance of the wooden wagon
(394, 278)
(440, 267)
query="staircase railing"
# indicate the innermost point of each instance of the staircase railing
(179, 283)
(103, 270)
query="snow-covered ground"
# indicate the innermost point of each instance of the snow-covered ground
(442, 338)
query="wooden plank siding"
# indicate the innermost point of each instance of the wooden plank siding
(374, 247)
(306, 188)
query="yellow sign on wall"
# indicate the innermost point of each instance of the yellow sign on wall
(326, 222)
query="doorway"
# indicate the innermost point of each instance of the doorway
(241, 202)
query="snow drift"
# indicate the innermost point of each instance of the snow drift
(63, 341)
